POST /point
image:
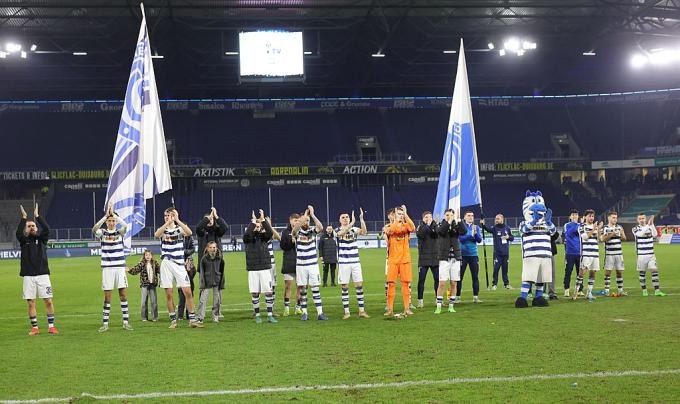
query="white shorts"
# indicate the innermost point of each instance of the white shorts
(590, 263)
(171, 271)
(114, 278)
(37, 287)
(449, 270)
(273, 274)
(260, 281)
(307, 275)
(645, 262)
(536, 269)
(347, 271)
(288, 277)
(614, 262)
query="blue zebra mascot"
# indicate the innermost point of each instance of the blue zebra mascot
(536, 230)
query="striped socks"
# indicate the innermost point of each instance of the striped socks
(524, 289)
(360, 297)
(256, 306)
(316, 296)
(345, 299)
(655, 279)
(106, 313)
(303, 300)
(643, 280)
(124, 310)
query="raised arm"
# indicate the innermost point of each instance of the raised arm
(362, 224)
(317, 222)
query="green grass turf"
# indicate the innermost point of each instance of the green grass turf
(485, 340)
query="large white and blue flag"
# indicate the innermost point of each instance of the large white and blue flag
(459, 176)
(140, 166)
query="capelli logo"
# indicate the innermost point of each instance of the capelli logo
(417, 180)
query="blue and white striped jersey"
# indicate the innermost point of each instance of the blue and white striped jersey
(112, 254)
(172, 245)
(613, 245)
(305, 247)
(536, 240)
(644, 239)
(589, 245)
(348, 248)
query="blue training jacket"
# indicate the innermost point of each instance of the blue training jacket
(468, 241)
(572, 239)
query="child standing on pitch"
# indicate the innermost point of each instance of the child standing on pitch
(149, 271)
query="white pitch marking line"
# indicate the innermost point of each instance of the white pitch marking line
(362, 386)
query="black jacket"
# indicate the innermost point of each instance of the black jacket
(206, 234)
(328, 248)
(553, 242)
(448, 239)
(34, 249)
(287, 244)
(211, 272)
(427, 245)
(257, 253)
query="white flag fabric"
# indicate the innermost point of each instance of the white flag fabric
(140, 166)
(459, 176)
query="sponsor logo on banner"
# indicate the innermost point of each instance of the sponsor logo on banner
(10, 254)
(79, 175)
(422, 179)
(277, 183)
(109, 107)
(315, 181)
(221, 183)
(292, 170)
(520, 166)
(361, 169)
(211, 106)
(284, 105)
(177, 106)
(215, 172)
(325, 170)
(246, 105)
(433, 168)
(395, 170)
(253, 171)
(85, 186)
(72, 107)
(329, 181)
(493, 102)
(366, 139)
(405, 103)
(24, 175)
(245, 183)
(329, 104)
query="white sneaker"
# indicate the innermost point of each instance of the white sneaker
(493, 287)
(420, 303)
(475, 299)
(508, 287)
(216, 319)
(566, 292)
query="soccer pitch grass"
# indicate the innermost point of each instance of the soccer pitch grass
(614, 349)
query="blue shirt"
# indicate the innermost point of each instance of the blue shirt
(572, 239)
(500, 247)
(468, 241)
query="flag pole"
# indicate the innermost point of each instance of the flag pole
(486, 264)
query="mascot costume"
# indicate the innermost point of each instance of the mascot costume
(536, 230)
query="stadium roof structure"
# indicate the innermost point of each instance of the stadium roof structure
(193, 36)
